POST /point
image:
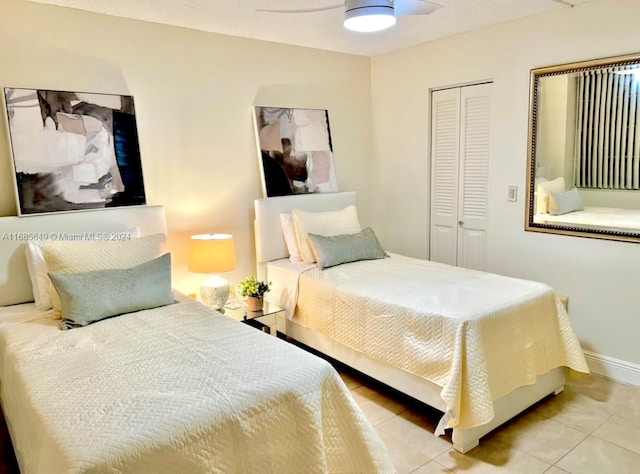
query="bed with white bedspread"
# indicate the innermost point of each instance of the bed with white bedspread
(173, 388)
(176, 389)
(623, 220)
(478, 346)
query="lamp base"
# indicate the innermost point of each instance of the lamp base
(214, 292)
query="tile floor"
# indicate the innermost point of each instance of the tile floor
(592, 427)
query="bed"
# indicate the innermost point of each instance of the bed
(477, 346)
(554, 205)
(173, 388)
(623, 220)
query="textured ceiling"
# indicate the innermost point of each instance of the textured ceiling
(321, 30)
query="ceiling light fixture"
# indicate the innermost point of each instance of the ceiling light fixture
(366, 16)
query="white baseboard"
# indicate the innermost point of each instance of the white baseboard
(614, 369)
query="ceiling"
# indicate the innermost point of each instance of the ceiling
(322, 30)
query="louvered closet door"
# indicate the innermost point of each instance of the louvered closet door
(474, 176)
(460, 175)
(445, 157)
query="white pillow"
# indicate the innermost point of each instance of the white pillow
(86, 256)
(563, 203)
(38, 269)
(327, 224)
(290, 238)
(542, 193)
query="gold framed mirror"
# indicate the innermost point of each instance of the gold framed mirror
(584, 149)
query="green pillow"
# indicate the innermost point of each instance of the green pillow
(338, 249)
(564, 203)
(92, 296)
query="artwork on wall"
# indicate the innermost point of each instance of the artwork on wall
(294, 150)
(73, 150)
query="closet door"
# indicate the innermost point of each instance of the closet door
(474, 176)
(445, 157)
(460, 175)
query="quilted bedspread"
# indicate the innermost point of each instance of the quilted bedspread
(477, 335)
(177, 389)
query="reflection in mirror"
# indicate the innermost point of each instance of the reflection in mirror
(584, 161)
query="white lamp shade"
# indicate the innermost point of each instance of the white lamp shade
(211, 253)
(367, 18)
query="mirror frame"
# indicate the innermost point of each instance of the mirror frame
(536, 75)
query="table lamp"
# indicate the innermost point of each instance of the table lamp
(212, 253)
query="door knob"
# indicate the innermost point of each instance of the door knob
(460, 223)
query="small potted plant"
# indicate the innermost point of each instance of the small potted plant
(254, 290)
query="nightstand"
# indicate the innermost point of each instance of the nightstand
(270, 320)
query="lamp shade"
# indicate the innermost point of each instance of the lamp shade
(211, 253)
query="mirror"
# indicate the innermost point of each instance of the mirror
(584, 155)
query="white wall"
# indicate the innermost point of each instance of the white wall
(193, 93)
(611, 198)
(556, 130)
(600, 277)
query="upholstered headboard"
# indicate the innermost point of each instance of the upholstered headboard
(15, 285)
(270, 244)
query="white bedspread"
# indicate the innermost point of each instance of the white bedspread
(478, 335)
(625, 220)
(177, 389)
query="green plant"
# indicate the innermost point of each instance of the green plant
(251, 286)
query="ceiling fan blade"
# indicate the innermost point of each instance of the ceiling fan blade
(414, 7)
(304, 10)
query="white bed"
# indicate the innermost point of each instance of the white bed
(178, 388)
(359, 313)
(623, 220)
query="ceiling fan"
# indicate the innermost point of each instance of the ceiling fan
(372, 15)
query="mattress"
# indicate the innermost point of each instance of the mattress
(477, 335)
(175, 389)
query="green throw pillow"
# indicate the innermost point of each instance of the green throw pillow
(92, 296)
(338, 249)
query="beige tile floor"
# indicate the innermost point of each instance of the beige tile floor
(591, 427)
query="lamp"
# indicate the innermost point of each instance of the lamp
(212, 253)
(366, 16)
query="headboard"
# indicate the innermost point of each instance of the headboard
(15, 285)
(270, 244)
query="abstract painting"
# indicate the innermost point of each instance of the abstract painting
(73, 150)
(295, 151)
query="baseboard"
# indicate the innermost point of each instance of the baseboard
(614, 369)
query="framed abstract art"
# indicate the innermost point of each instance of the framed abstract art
(295, 151)
(73, 150)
